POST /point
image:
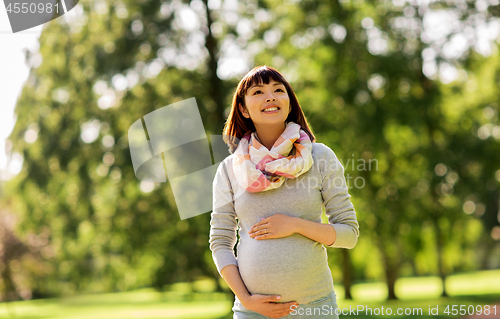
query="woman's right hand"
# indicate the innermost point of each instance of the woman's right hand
(268, 305)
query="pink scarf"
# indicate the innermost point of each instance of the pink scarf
(258, 169)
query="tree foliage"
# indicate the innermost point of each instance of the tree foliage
(367, 74)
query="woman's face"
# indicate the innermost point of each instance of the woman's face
(266, 103)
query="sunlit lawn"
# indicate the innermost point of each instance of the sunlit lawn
(180, 301)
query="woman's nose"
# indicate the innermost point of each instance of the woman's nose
(270, 98)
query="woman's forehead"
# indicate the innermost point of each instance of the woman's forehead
(260, 83)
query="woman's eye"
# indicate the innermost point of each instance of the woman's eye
(257, 92)
(280, 90)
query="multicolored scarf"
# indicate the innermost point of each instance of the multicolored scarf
(258, 169)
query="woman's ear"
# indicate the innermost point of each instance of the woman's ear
(243, 111)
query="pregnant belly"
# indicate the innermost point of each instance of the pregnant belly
(282, 266)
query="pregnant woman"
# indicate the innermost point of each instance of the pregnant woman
(270, 191)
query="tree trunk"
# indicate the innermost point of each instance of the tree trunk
(439, 243)
(217, 118)
(391, 274)
(347, 273)
(391, 268)
(488, 250)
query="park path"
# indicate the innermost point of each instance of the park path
(491, 315)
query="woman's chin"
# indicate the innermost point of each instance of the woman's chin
(270, 121)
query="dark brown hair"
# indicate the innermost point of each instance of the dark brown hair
(238, 126)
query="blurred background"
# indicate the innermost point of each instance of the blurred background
(406, 93)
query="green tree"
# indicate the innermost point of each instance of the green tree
(117, 62)
(361, 72)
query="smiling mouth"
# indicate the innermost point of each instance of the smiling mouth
(271, 109)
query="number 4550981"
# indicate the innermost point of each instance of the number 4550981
(32, 7)
(470, 310)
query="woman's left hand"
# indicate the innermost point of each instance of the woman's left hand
(275, 226)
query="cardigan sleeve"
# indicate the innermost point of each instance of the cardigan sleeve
(223, 223)
(336, 199)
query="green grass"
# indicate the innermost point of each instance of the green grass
(419, 308)
(144, 303)
(197, 300)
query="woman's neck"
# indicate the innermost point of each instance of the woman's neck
(267, 135)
